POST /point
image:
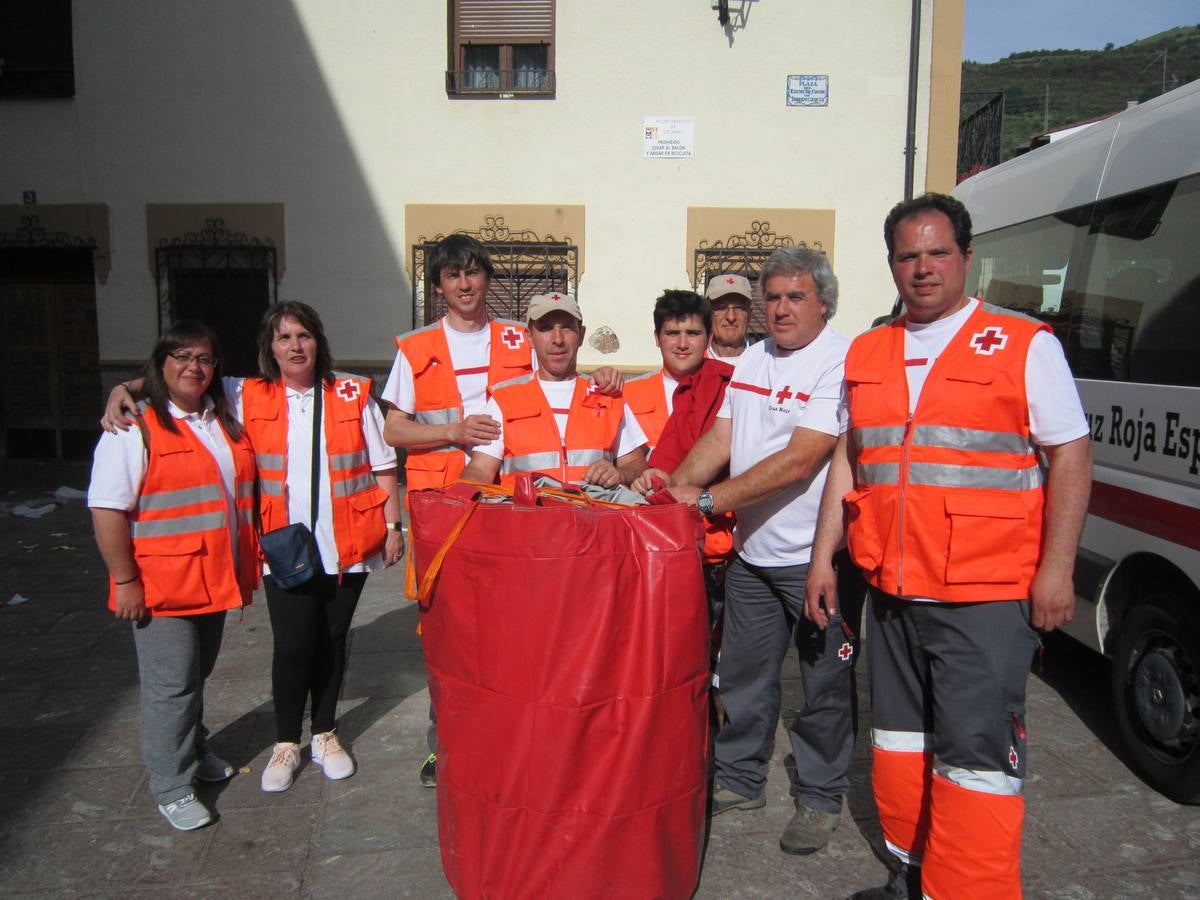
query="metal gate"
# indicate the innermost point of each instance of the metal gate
(743, 254)
(525, 265)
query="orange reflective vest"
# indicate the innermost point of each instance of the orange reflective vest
(180, 525)
(359, 526)
(438, 399)
(948, 501)
(531, 439)
(647, 399)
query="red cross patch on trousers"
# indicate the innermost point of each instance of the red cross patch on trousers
(347, 389)
(989, 340)
(845, 651)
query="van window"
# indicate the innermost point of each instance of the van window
(1025, 267)
(1138, 304)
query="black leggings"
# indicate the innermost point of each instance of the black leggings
(310, 624)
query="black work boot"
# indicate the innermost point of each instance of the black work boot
(904, 884)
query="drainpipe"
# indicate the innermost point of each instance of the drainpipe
(910, 140)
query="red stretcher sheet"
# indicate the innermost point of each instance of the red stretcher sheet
(567, 650)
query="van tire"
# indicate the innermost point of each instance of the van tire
(1156, 692)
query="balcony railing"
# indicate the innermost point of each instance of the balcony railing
(500, 82)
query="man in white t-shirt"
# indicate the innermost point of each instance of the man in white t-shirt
(554, 422)
(776, 429)
(968, 544)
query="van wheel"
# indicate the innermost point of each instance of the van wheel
(1156, 690)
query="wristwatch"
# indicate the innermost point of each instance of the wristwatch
(704, 502)
(395, 526)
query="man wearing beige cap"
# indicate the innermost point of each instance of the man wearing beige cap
(552, 421)
(730, 296)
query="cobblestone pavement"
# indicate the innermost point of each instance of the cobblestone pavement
(78, 821)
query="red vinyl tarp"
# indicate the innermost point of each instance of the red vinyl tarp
(567, 649)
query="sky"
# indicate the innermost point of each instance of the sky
(996, 28)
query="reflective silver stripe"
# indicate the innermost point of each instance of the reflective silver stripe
(269, 460)
(348, 460)
(181, 497)
(901, 741)
(970, 439)
(246, 489)
(181, 525)
(999, 783)
(271, 487)
(355, 485)
(879, 436)
(586, 457)
(245, 515)
(945, 475)
(530, 462)
(446, 416)
(879, 473)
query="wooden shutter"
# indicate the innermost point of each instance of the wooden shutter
(506, 21)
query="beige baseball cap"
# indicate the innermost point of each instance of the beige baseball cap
(729, 283)
(544, 304)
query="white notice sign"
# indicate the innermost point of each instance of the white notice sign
(667, 137)
(808, 90)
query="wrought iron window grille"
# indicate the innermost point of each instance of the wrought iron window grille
(524, 264)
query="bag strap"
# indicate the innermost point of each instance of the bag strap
(435, 564)
(318, 390)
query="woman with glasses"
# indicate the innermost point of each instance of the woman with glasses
(171, 503)
(357, 527)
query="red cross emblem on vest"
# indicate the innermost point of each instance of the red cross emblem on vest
(784, 394)
(1012, 757)
(845, 651)
(989, 340)
(512, 337)
(347, 389)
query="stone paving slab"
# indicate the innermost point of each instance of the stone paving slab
(78, 820)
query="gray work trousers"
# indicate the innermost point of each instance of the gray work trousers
(175, 655)
(763, 608)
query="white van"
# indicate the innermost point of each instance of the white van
(1099, 236)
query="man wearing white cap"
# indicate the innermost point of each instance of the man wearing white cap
(552, 421)
(730, 297)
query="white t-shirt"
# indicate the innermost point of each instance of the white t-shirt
(299, 470)
(119, 465)
(1055, 413)
(669, 385)
(772, 393)
(558, 395)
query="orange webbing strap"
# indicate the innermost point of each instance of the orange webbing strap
(435, 564)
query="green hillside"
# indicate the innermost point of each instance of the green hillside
(1083, 83)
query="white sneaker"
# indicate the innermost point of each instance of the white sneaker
(330, 755)
(281, 770)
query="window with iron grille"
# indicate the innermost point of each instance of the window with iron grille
(36, 50)
(501, 48)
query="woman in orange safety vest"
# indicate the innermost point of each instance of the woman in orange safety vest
(172, 503)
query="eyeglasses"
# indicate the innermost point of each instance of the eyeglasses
(184, 358)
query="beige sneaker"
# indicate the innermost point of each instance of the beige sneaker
(281, 770)
(330, 755)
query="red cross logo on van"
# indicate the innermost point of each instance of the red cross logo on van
(989, 340)
(512, 337)
(347, 389)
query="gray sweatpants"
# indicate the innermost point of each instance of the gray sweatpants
(763, 608)
(175, 655)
